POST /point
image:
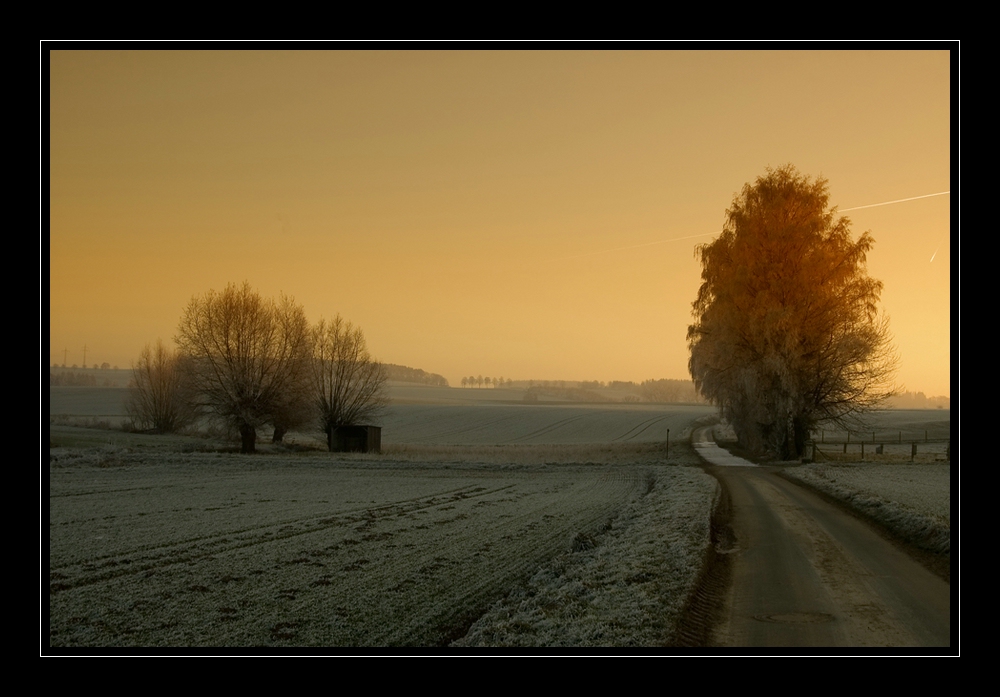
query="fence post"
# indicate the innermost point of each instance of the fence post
(845, 448)
(913, 451)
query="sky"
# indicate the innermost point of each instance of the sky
(524, 214)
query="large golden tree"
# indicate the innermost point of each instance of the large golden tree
(787, 329)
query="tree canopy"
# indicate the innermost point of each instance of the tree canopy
(787, 330)
(348, 384)
(157, 400)
(247, 357)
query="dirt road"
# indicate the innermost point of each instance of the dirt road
(797, 571)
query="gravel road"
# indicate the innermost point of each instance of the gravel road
(797, 571)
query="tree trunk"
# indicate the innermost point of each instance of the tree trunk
(330, 430)
(279, 434)
(800, 434)
(248, 437)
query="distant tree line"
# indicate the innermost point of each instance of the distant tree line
(480, 381)
(669, 391)
(918, 400)
(102, 366)
(72, 379)
(402, 373)
(98, 377)
(613, 391)
(574, 394)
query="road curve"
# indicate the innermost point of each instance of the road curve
(804, 573)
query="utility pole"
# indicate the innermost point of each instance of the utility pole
(65, 351)
(84, 355)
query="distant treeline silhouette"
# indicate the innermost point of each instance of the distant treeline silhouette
(103, 377)
(918, 400)
(402, 373)
(71, 379)
(665, 390)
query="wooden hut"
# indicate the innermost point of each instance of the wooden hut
(356, 439)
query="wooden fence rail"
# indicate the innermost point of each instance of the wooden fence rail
(911, 436)
(876, 446)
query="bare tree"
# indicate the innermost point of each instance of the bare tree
(156, 397)
(350, 386)
(247, 357)
(787, 331)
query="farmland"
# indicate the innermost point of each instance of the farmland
(484, 522)
(225, 550)
(153, 546)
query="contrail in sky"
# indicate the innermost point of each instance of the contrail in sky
(898, 200)
(706, 234)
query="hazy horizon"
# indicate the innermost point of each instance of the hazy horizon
(524, 214)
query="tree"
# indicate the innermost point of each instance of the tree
(787, 331)
(156, 396)
(349, 385)
(247, 358)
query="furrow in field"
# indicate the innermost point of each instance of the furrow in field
(641, 428)
(405, 579)
(438, 592)
(561, 423)
(147, 559)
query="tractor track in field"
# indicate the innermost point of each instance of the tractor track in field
(632, 433)
(343, 579)
(142, 560)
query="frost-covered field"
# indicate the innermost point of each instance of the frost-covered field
(307, 549)
(531, 424)
(484, 522)
(912, 499)
(448, 416)
(627, 588)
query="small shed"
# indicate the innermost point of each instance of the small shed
(356, 439)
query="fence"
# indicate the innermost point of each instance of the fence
(928, 444)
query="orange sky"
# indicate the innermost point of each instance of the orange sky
(468, 209)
